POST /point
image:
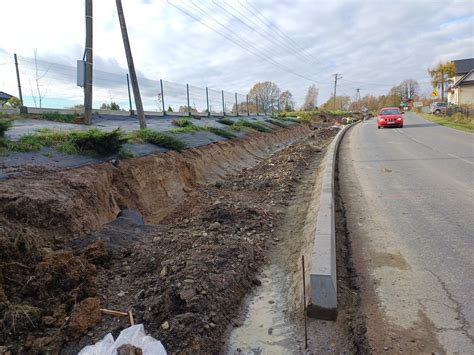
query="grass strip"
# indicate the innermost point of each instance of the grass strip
(456, 121)
(254, 125)
(158, 138)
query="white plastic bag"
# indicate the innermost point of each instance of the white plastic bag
(134, 335)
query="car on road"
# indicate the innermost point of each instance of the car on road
(438, 108)
(390, 117)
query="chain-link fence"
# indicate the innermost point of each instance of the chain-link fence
(46, 84)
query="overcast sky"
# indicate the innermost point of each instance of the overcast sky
(373, 44)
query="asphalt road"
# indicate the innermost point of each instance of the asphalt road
(409, 196)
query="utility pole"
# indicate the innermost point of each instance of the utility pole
(336, 78)
(89, 65)
(18, 80)
(358, 97)
(131, 66)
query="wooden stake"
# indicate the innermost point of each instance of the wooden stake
(113, 313)
(304, 306)
(130, 315)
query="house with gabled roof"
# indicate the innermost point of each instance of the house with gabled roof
(461, 90)
(4, 97)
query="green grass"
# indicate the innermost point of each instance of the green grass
(158, 138)
(255, 125)
(277, 122)
(92, 141)
(192, 128)
(456, 121)
(4, 126)
(182, 122)
(187, 129)
(226, 121)
(221, 132)
(125, 154)
(60, 117)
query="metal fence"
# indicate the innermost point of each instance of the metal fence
(46, 84)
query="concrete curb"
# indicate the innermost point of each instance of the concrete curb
(323, 280)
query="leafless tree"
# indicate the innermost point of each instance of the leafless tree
(286, 101)
(311, 98)
(267, 94)
(38, 94)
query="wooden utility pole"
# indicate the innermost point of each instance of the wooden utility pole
(336, 78)
(88, 66)
(131, 66)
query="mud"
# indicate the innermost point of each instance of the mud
(213, 212)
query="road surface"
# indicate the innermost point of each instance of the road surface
(409, 198)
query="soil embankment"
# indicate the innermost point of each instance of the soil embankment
(212, 213)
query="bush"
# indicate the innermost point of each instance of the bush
(125, 154)
(182, 122)
(5, 125)
(93, 140)
(160, 139)
(98, 141)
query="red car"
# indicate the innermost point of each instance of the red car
(390, 117)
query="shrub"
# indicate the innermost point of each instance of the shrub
(5, 125)
(160, 139)
(125, 154)
(93, 140)
(182, 122)
(98, 141)
(27, 143)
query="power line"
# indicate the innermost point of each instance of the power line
(262, 56)
(270, 33)
(283, 35)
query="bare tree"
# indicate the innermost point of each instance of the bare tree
(409, 88)
(311, 98)
(286, 101)
(267, 94)
(38, 94)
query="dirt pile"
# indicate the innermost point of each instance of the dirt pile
(185, 278)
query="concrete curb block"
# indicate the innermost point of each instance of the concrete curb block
(323, 280)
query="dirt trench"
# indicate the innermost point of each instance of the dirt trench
(212, 212)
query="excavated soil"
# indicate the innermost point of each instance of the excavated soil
(212, 212)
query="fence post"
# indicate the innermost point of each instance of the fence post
(223, 103)
(129, 96)
(18, 80)
(187, 96)
(236, 105)
(248, 112)
(162, 97)
(256, 103)
(207, 101)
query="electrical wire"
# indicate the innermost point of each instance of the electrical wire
(264, 57)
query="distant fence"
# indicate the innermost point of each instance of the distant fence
(53, 85)
(465, 110)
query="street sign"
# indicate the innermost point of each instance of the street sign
(434, 93)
